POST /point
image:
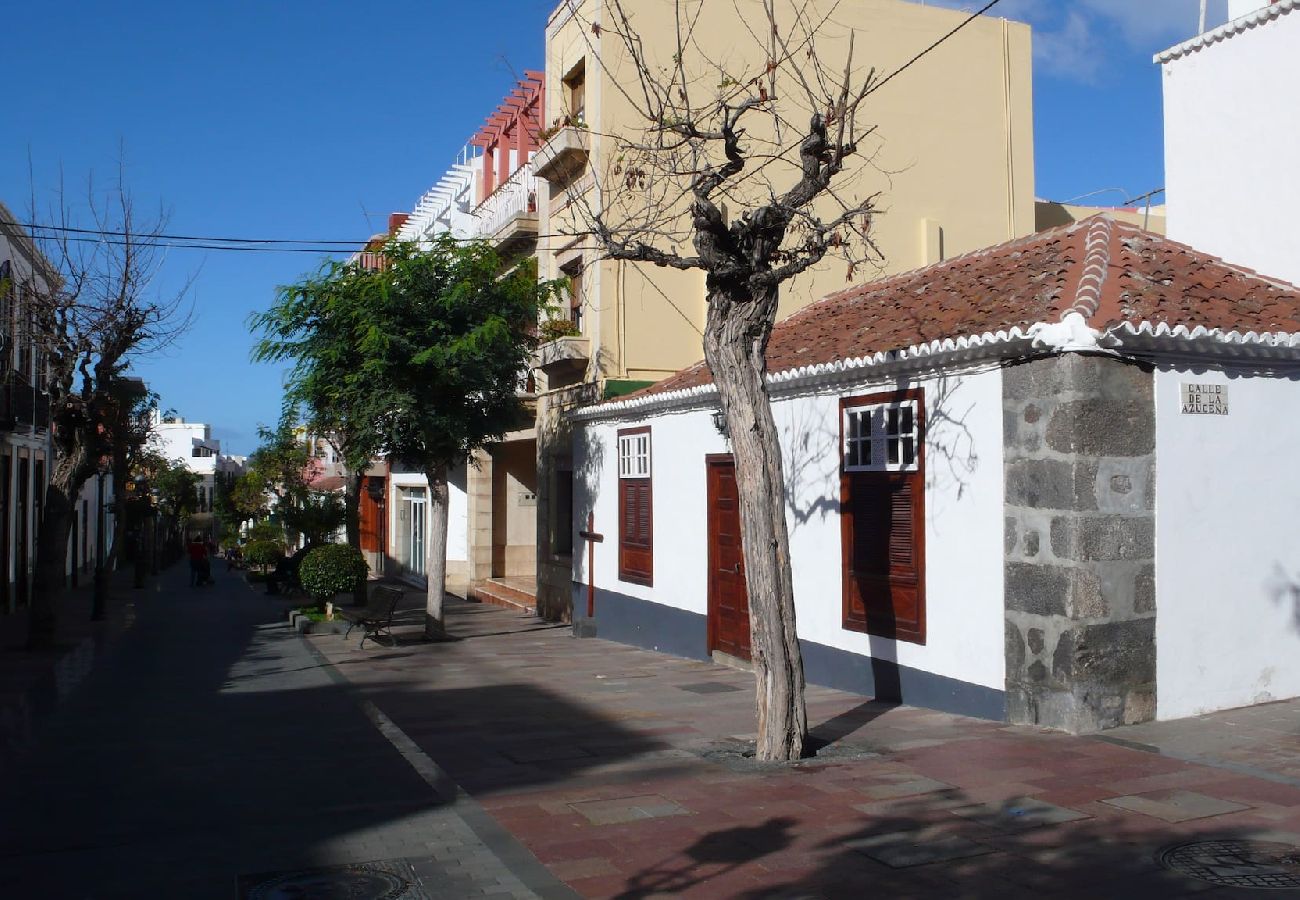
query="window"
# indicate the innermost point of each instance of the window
(575, 95)
(573, 272)
(882, 518)
(881, 437)
(635, 513)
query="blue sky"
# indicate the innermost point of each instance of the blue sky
(314, 120)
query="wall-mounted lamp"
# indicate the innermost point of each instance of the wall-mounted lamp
(720, 423)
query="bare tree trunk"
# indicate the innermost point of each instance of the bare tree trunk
(435, 553)
(52, 552)
(352, 523)
(735, 344)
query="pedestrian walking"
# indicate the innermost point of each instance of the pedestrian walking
(199, 566)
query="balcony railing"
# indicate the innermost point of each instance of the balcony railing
(510, 212)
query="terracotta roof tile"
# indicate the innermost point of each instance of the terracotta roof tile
(1112, 272)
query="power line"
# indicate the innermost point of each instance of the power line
(104, 232)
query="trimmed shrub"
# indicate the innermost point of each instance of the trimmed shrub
(331, 569)
(263, 554)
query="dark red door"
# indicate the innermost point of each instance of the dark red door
(728, 600)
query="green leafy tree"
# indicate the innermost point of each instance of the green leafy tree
(421, 356)
(316, 515)
(330, 570)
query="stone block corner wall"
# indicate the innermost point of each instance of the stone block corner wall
(1079, 439)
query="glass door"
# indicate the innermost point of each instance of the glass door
(415, 507)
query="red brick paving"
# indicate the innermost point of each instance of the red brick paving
(523, 742)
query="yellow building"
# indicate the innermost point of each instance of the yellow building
(950, 163)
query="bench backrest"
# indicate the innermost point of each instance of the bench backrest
(383, 602)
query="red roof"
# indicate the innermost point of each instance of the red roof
(1110, 272)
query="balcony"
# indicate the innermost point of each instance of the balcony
(22, 408)
(563, 157)
(508, 216)
(563, 356)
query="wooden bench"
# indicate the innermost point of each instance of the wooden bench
(376, 618)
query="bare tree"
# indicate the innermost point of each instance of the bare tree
(105, 313)
(740, 153)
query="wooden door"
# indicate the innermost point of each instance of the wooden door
(728, 600)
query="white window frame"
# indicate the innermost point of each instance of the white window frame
(634, 455)
(882, 432)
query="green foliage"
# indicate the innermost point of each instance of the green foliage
(418, 359)
(330, 570)
(177, 487)
(265, 531)
(317, 515)
(553, 329)
(263, 553)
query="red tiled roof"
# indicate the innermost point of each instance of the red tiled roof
(1110, 272)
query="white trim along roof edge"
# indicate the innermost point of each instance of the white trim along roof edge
(1227, 30)
(1126, 339)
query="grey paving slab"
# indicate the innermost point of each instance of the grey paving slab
(210, 743)
(1176, 806)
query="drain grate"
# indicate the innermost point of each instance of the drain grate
(1260, 865)
(381, 880)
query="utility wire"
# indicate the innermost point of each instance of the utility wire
(971, 18)
(192, 242)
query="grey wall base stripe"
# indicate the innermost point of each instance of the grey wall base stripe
(885, 680)
(642, 623)
(513, 855)
(664, 629)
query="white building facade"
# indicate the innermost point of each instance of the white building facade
(1230, 125)
(1016, 506)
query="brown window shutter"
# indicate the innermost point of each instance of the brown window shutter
(636, 518)
(882, 529)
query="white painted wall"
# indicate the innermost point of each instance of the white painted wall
(457, 511)
(964, 520)
(1230, 126)
(1227, 555)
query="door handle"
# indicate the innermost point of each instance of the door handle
(736, 568)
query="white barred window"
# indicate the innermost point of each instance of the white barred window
(882, 437)
(634, 455)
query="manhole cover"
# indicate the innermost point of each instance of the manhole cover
(1245, 864)
(387, 880)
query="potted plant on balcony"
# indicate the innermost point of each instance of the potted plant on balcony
(556, 328)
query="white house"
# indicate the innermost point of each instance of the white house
(1049, 482)
(1231, 124)
(192, 445)
(26, 280)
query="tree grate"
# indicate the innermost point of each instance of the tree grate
(1257, 865)
(381, 880)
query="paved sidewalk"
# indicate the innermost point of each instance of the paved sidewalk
(623, 771)
(33, 682)
(211, 753)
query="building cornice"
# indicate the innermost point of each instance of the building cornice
(1228, 30)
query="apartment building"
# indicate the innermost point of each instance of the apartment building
(490, 192)
(950, 163)
(26, 277)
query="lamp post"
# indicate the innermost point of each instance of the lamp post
(154, 498)
(140, 493)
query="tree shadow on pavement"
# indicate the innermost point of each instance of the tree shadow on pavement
(712, 855)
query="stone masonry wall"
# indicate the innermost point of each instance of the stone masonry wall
(1079, 434)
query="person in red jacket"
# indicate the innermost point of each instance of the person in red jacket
(198, 554)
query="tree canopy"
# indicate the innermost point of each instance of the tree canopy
(419, 358)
